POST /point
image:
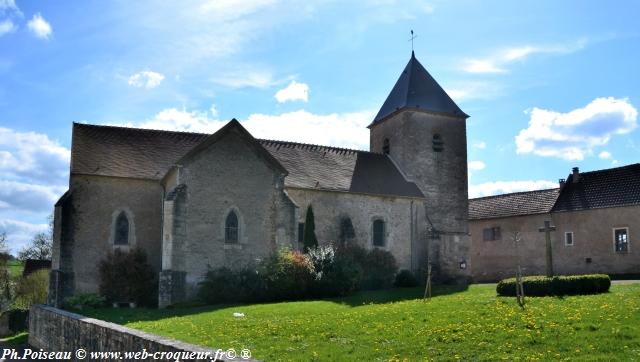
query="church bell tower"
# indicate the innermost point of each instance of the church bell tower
(423, 132)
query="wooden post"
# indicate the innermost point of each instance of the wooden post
(427, 289)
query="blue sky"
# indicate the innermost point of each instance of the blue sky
(549, 85)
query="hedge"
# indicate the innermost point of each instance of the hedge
(558, 285)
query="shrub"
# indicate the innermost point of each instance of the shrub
(90, 300)
(405, 279)
(557, 285)
(219, 286)
(128, 277)
(379, 269)
(335, 271)
(32, 289)
(287, 275)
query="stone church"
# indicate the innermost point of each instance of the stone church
(194, 201)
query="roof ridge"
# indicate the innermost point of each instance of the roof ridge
(514, 193)
(332, 148)
(90, 125)
(610, 169)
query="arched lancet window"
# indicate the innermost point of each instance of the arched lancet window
(231, 228)
(386, 148)
(346, 229)
(122, 230)
(378, 233)
(438, 143)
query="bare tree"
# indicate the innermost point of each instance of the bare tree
(515, 236)
(40, 248)
(5, 277)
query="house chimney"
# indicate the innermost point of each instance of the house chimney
(561, 182)
(576, 175)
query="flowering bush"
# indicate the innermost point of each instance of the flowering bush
(325, 271)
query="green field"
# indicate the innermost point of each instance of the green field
(471, 324)
(15, 268)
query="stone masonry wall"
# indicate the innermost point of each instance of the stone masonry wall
(441, 176)
(95, 202)
(55, 330)
(592, 238)
(329, 207)
(227, 176)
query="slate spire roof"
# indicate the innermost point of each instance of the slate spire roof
(416, 88)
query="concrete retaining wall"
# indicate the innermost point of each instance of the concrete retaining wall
(56, 330)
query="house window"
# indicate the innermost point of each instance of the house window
(122, 230)
(385, 146)
(621, 240)
(378, 233)
(438, 143)
(568, 238)
(231, 228)
(300, 232)
(490, 234)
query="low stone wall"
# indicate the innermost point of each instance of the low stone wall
(56, 330)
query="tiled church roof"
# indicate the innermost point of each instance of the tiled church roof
(613, 187)
(148, 154)
(515, 204)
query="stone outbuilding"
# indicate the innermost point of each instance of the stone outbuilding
(194, 201)
(596, 215)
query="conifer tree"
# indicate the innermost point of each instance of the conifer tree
(309, 239)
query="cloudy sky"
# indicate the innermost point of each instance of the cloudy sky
(549, 85)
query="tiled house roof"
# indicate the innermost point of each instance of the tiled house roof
(148, 154)
(515, 204)
(613, 187)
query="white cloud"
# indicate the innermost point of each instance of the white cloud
(214, 111)
(32, 157)
(499, 61)
(298, 126)
(28, 197)
(6, 27)
(574, 134)
(293, 92)
(481, 145)
(33, 175)
(605, 155)
(146, 79)
(476, 165)
(9, 6)
(245, 78)
(505, 187)
(39, 27)
(20, 233)
(474, 90)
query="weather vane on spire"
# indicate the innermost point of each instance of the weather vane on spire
(411, 40)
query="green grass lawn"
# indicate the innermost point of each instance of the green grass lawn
(15, 268)
(471, 324)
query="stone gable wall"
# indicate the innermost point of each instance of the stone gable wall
(226, 176)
